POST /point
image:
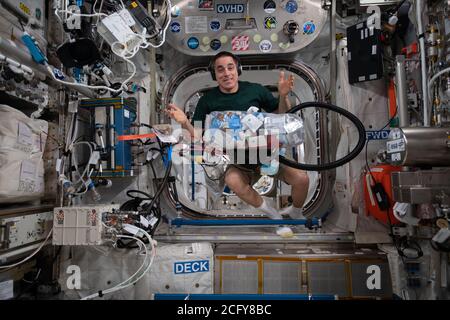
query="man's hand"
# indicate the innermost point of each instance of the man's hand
(176, 113)
(285, 85)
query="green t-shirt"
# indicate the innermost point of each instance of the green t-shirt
(249, 94)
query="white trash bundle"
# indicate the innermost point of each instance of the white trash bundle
(247, 126)
(227, 131)
(22, 142)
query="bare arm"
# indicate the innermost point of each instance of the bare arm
(284, 87)
(180, 117)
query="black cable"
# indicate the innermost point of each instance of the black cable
(158, 193)
(334, 164)
(148, 197)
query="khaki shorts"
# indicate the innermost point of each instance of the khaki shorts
(252, 171)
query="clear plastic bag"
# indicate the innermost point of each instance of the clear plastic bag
(228, 131)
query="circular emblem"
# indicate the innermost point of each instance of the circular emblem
(58, 74)
(291, 6)
(265, 46)
(193, 43)
(309, 27)
(175, 11)
(175, 27)
(270, 6)
(214, 25)
(215, 44)
(270, 23)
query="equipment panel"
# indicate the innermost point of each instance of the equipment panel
(26, 229)
(202, 28)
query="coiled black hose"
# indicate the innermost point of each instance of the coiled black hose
(334, 164)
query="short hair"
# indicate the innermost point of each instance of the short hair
(224, 54)
(221, 54)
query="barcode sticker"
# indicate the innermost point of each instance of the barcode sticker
(27, 170)
(25, 135)
(395, 146)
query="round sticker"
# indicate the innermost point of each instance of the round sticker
(270, 23)
(175, 11)
(214, 25)
(257, 38)
(274, 37)
(206, 40)
(284, 45)
(270, 6)
(309, 27)
(193, 43)
(291, 6)
(215, 44)
(175, 27)
(223, 39)
(265, 46)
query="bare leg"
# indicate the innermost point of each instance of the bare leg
(240, 184)
(299, 181)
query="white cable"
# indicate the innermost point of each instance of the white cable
(74, 159)
(434, 78)
(81, 14)
(168, 14)
(151, 260)
(76, 84)
(31, 255)
(124, 284)
(119, 286)
(125, 55)
(423, 63)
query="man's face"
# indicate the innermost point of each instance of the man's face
(226, 73)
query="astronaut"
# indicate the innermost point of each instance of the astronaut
(234, 95)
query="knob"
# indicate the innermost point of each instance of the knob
(291, 28)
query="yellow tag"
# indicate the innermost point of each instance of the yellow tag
(24, 8)
(198, 159)
(134, 4)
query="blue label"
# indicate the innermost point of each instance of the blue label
(193, 43)
(291, 6)
(175, 27)
(191, 266)
(377, 135)
(309, 27)
(215, 44)
(230, 8)
(214, 25)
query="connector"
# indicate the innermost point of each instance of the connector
(381, 196)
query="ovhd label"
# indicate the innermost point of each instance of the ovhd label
(184, 267)
(230, 8)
